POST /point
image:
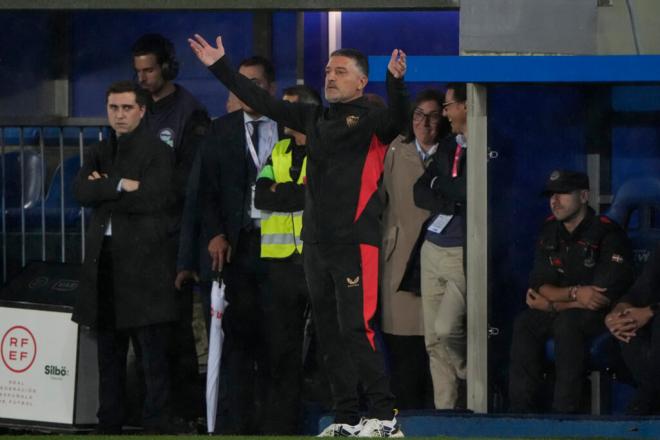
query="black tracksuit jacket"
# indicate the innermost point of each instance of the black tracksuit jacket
(346, 147)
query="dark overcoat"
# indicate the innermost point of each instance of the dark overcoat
(143, 240)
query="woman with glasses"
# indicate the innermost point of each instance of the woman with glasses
(401, 305)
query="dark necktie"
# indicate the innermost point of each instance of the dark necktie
(255, 135)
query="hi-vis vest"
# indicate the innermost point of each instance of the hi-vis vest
(280, 231)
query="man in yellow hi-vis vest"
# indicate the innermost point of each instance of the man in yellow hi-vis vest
(280, 195)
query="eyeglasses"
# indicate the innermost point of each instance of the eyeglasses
(447, 104)
(419, 115)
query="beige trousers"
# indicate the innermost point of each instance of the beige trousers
(443, 306)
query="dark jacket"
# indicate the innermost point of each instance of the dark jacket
(597, 253)
(143, 245)
(646, 290)
(181, 122)
(225, 179)
(436, 190)
(346, 146)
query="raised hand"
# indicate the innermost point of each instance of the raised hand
(206, 53)
(397, 64)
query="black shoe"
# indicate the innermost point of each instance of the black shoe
(174, 426)
(106, 430)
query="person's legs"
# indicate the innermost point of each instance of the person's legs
(573, 330)
(154, 341)
(338, 363)
(112, 346)
(410, 375)
(245, 351)
(354, 271)
(642, 356)
(450, 324)
(434, 285)
(531, 330)
(286, 327)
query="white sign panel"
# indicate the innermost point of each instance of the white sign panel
(38, 365)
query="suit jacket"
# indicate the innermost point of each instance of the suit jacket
(143, 229)
(402, 223)
(224, 185)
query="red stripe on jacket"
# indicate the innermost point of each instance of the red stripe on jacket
(371, 172)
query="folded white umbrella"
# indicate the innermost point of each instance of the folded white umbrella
(216, 338)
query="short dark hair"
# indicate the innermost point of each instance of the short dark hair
(142, 97)
(154, 44)
(460, 91)
(354, 54)
(423, 96)
(305, 94)
(265, 63)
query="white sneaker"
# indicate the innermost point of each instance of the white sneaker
(381, 428)
(342, 430)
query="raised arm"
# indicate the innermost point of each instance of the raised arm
(392, 121)
(292, 115)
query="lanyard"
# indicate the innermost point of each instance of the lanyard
(251, 149)
(457, 159)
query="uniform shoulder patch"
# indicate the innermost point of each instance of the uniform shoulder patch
(606, 220)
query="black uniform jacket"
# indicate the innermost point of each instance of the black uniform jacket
(346, 147)
(596, 253)
(143, 244)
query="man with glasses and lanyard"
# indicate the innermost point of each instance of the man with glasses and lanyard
(441, 190)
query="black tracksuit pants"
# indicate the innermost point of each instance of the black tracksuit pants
(343, 287)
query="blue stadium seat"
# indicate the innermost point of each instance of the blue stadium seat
(636, 207)
(53, 201)
(31, 165)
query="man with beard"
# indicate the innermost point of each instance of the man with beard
(583, 264)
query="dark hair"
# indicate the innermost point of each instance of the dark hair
(354, 54)
(305, 94)
(443, 124)
(162, 48)
(142, 96)
(266, 65)
(460, 91)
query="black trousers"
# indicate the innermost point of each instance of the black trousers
(112, 347)
(642, 356)
(410, 376)
(343, 287)
(245, 357)
(187, 392)
(572, 331)
(286, 324)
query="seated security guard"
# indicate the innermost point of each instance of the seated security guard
(582, 265)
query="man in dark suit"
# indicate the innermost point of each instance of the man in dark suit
(231, 157)
(127, 281)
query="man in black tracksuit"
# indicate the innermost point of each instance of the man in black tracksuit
(346, 146)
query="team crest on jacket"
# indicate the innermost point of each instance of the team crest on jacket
(354, 282)
(352, 121)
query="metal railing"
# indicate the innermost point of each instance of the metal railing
(51, 141)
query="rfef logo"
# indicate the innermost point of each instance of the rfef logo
(19, 349)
